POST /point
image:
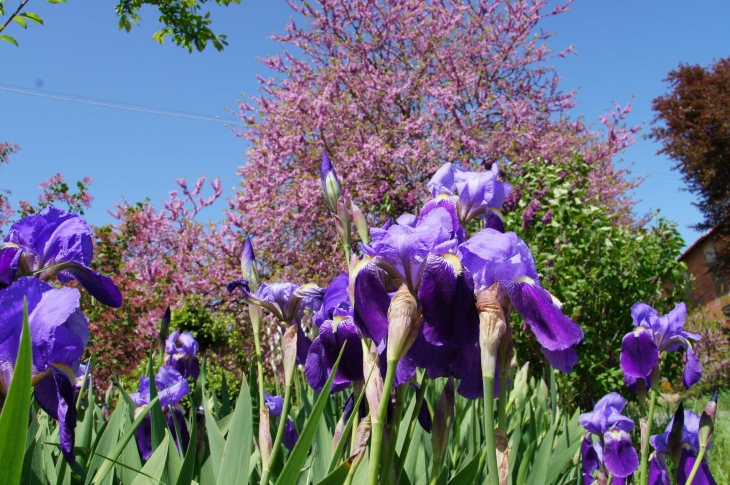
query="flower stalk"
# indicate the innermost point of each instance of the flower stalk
(378, 424)
(644, 466)
(492, 327)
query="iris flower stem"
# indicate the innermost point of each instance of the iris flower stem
(259, 368)
(356, 391)
(502, 403)
(435, 471)
(346, 249)
(697, 464)
(412, 425)
(490, 450)
(400, 393)
(279, 434)
(645, 445)
(376, 442)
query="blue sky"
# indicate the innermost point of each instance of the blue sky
(625, 49)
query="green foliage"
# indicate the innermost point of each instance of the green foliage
(19, 17)
(182, 19)
(224, 340)
(595, 264)
(184, 23)
(13, 420)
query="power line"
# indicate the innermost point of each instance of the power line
(107, 104)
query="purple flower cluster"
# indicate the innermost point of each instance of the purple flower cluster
(172, 387)
(612, 451)
(641, 349)
(53, 245)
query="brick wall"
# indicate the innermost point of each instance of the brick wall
(705, 292)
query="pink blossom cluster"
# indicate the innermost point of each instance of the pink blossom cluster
(6, 210)
(391, 90)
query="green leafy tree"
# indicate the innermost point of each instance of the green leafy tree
(595, 264)
(183, 21)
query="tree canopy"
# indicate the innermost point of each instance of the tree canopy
(183, 21)
(692, 123)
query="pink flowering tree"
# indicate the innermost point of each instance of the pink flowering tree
(54, 191)
(6, 209)
(159, 258)
(391, 90)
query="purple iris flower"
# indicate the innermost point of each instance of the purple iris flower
(276, 407)
(690, 449)
(290, 437)
(420, 253)
(505, 258)
(286, 301)
(336, 326)
(613, 450)
(479, 194)
(653, 334)
(274, 403)
(172, 387)
(55, 243)
(59, 335)
(182, 357)
(80, 374)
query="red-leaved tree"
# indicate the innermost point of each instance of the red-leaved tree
(390, 90)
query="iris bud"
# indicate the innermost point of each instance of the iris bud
(330, 184)
(443, 418)
(265, 443)
(248, 266)
(492, 326)
(165, 327)
(289, 348)
(404, 322)
(342, 223)
(361, 442)
(707, 421)
(374, 388)
(676, 434)
(361, 223)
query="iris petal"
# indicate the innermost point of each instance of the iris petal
(55, 395)
(447, 297)
(553, 329)
(686, 463)
(291, 436)
(98, 285)
(639, 353)
(563, 360)
(315, 369)
(9, 262)
(619, 455)
(692, 369)
(371, 303)
(658, 471)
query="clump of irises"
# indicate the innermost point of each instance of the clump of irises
(421, 299)
(53, 246)
(425, 294)
(676, 456)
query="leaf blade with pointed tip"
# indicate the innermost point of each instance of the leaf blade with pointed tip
(237, 451)
(298, 456)
(107, 466)
(14, 417)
